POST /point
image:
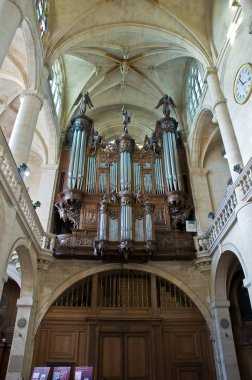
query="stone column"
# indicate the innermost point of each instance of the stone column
(224, 121)
(24, 127)
(227, 365)
(244, 217)
(46, 194)
(201, 196)
(4, 279)
(23, 341)
(247, 13)
(10, 18)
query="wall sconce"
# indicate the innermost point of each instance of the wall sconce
(23, 170)
(235, 3)
(223, 153)
(211, 215)
(36, 204)
(237, 169)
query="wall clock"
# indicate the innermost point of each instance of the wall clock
(243, 83)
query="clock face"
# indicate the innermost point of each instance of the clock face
(243, 83)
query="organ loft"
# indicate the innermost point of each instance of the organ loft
(120, 201)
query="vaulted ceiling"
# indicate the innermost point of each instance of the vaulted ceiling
(127, 52)
(124, 52)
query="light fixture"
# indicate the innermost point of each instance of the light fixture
(235, 3)
(36, 204)
(223, 153)
(23, 170)
(237, 168)
(211, 215)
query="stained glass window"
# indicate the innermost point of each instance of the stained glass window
(195, 85)
(41, 11)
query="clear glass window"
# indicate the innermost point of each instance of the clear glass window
(194, 89)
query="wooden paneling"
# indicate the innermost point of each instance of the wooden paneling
(188, 372)
(133, 340)
(137, 357)
(111, 356)
(62, 345)
(128, 348)
(185, 345)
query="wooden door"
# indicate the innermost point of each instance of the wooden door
(124, 356)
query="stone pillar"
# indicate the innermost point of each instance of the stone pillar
(224, 121)
(46, 194)
(10, 18)
(247, 13)
(201, 195)
(24, 127)
(23, 341)
(4, 279)
(244, 217)
(227, 365)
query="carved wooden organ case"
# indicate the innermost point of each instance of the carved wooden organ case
(122, 202)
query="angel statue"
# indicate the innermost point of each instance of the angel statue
(84, 101)
(166, 101)
(126, 119)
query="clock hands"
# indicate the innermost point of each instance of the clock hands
(242, 81)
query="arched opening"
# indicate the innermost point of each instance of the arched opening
(109, 319)
(234, 313)
(241, 317)
(8, 312)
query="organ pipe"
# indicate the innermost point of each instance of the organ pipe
(103, 220)
(78, 154)
(172, 172)
(91, 175)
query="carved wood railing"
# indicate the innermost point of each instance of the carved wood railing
(240, 191)
(16, 189)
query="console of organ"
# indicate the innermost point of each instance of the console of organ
(123, 202)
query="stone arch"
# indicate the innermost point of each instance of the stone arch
(205, 116)
(28, 263)
(109, 267)
(220, 267)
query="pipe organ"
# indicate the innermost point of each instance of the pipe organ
(122, 201)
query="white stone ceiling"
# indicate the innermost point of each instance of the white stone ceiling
(124, 52)
(127, 52)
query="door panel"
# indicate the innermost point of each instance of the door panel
(188, 372)
(124, 356)
(137, 357)
(111, 354)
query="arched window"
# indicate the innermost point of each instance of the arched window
(194, 89)
(41, 11)
(57, 86)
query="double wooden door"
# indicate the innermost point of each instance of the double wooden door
(124, 356)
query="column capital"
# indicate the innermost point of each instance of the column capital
(247, 282)
(209, 71)
(34, 93)
(215, 304)
(199, 171)
(221, 100)
(25, 301)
